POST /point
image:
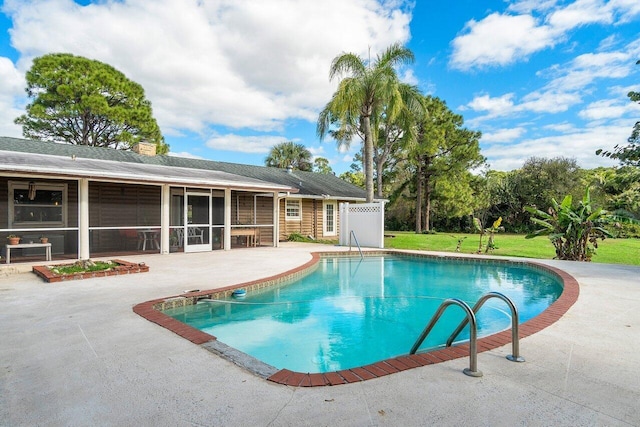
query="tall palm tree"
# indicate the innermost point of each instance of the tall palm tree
(361, 97)
(288, 154)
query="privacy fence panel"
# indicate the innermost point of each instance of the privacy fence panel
(365, 220)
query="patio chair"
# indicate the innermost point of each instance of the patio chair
(195, 235)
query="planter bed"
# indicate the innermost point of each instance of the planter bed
(119, 267)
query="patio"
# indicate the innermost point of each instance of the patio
(75, 353)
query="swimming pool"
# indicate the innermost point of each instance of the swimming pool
(351, 312)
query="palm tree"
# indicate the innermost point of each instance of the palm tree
(369, 88)
(288, 154)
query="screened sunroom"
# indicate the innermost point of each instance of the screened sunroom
(90, 208)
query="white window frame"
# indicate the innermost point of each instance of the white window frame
(288, 215)
(325, 230)
(24, 185)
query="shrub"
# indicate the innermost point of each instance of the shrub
(573, 231)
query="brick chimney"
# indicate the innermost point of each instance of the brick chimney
(145, 148)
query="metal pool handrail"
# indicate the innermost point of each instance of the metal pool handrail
(472, 370)
(357, 244)
(515, 345)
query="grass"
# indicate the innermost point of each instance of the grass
(612, 251)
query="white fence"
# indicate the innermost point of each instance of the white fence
(366, 220)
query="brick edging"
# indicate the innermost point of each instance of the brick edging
(123, 267)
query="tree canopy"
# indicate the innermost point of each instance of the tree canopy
(442, 155)
(288, 154)
(627, 154)
(321, 165)
(86, 102)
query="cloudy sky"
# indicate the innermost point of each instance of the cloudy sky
(228, 79)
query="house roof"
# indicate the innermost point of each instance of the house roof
(119, 163)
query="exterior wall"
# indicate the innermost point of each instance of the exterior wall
(307, 225)
(311, 221)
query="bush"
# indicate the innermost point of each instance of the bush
(297, 237)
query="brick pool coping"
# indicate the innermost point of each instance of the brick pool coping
(151, 310)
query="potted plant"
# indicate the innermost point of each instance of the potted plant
(13, 239)
(44, 239)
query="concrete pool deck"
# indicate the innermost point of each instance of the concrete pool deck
(74, 353)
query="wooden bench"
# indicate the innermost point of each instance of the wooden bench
(46, 246)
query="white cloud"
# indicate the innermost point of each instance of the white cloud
(184, 154)
(581, 12)
(561, 127)
(567, 85)
(548, 102)
(581, 145)
(503, 39)
(626, 9)
(503, 135)
(496, 106)
(235, 63)
(528, 6)
(244, 144)
(409, 77)
(609, 109)
(500, 40)
(585, 69)
(12, 86)
(538, 102)
(316, 151)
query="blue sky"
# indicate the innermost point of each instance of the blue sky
(228, 79)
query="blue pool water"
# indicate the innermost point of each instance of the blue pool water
(351, 312)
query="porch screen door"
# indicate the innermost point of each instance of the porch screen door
(198, 222)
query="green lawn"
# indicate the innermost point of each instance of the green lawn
(614, 251)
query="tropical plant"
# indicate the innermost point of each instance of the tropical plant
(491, 231)
(289, 154)
(86, 102)
(361, 97)
(573, 230)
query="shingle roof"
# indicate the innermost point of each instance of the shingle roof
(308, 183)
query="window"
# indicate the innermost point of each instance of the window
(36, 204)
(293, 209)
(329, 218)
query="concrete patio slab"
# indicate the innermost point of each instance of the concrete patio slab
(74, 353)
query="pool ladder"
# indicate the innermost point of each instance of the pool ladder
(353, 234)
(470, 318)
